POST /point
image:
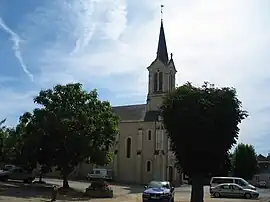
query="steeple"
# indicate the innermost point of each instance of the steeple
(162, 53)
(161, 74)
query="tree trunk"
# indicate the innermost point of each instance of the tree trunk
(197, 192)
(65, 180)
(40, 177)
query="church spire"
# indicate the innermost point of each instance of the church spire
(162, 53)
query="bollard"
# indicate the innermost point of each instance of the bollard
(54, 193)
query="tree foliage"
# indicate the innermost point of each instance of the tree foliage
(13, 144)
(8, 143)
(202, 124)
(71, 126)
(244, 161)
(225, 167)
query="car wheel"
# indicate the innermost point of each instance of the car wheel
(247, 195)
(216, 195)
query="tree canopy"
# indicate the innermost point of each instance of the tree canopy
(244, 161)
(202, 125)
(8, 141)
(70, 126)
(224, 168)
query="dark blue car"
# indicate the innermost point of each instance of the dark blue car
(158, 191)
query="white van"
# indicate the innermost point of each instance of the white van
(240, 181)
(100, 173)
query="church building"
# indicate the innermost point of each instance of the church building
(142, 150)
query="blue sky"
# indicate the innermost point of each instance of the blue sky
(107, 44)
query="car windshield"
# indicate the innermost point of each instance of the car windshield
(155, 184)
(245, 182)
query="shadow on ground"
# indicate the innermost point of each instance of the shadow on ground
(130, 188)
(134, 189)
(42, 191)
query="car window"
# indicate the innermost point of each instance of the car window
(235, 187)
(166, 185)
(109, 173)
(222, 180)
(241, 182)
(225, 187)
(97, 172)
(155, 184)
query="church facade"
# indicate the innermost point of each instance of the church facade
(142, 149)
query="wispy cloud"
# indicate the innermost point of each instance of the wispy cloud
(16, 47)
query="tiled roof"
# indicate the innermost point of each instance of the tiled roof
(130, 112)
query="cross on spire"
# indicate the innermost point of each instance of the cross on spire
(161, 11)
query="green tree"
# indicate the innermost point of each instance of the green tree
(35, 142)
(202, 124)
(25, 153)
(244, 161)
(75, 125)
(8, 142)
(12, 145)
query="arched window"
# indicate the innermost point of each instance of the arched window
(160, 82)
(128, 147)
(155, 82)
(148, 166)
(149, 135)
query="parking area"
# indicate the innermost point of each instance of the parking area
(125, 193)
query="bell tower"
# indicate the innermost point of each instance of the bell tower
(161, 73)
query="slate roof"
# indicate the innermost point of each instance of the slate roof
(130, 112)
(261, 158)
(135, 113)
(162, 53)
(151, 116)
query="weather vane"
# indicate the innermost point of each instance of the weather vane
(161, 11)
